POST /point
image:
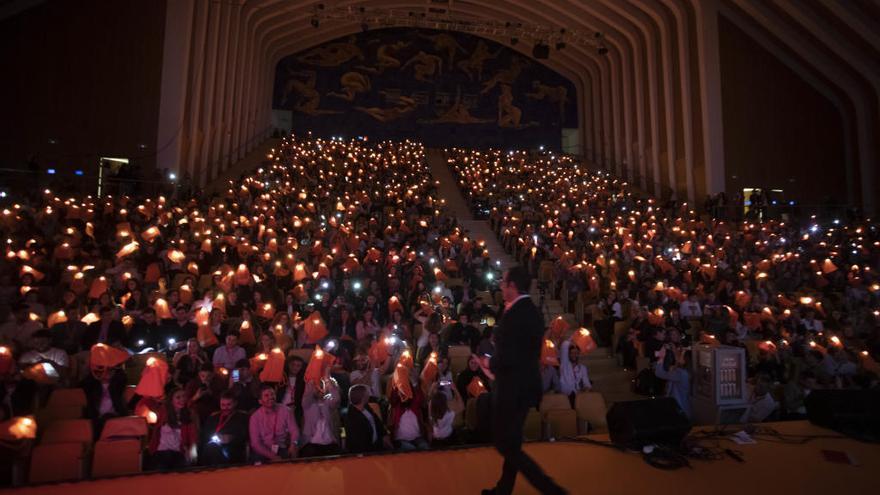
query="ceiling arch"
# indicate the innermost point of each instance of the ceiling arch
(648, 106)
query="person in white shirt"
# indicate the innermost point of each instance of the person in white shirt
(441, 413)
(762, 403)
(231, 353)
(42, 352)
(690, 309)
(573, 376)
(320, 433)
(811, 323)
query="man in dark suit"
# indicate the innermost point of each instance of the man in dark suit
(108, 330)
(364, 430)
(517, 389)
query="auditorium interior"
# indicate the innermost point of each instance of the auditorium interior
(276, 245)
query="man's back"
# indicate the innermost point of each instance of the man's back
(518, 351)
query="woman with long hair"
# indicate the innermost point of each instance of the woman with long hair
(174, 437)
(290, 392)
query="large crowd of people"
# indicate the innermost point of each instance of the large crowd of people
(801, 297)
(321, 293)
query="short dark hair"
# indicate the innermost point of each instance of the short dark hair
(358, 394)
(229, 395)
(520, 277)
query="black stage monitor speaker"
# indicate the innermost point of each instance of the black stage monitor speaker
(651, 421)
(854, 413)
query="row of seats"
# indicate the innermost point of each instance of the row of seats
(67, 450)
(555, 418)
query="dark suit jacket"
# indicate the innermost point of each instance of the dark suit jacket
(115, 334)
(358, 436)
(93, 389)
(517, 356)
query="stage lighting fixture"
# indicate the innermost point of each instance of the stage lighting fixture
(603, 50)
(541, 51)
(514, 41)
(315, 22)
(560, 45)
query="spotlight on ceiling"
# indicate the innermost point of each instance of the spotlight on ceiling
(541, 51)
(603, 50)
(315, 22)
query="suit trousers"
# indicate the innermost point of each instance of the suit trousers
(509, 414)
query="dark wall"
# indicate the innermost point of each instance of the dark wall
(424, 84)
(85, 73)
(779, 132)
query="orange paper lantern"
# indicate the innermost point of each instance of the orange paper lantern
(18, 428)
(105, 356)
(315, 328)
(549, 355)
(429, 372)
(98, 287)
(56, 318)
(162, 310)
(273, 369)
(319, 363)
(583, 340)
(476, 388)
(400, 382)
(153, 378)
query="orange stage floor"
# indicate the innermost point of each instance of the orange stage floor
(581, 468)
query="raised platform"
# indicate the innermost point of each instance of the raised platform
(770, 466)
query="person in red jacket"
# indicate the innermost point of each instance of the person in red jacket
(175, 434)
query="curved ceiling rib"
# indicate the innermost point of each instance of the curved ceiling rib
(642, 105)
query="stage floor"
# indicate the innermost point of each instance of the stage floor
(582, 468)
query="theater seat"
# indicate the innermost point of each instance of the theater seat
(127, 427)
(58, 462)
(560, 423)
(590, 408)
(533, 426)
(67, 397)
(68, 431)
(117, 457)
(551, 402)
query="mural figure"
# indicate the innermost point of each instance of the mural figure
(473, 65)
(309, 99)
(352, 84)
(553, 94)
(509, 115)
(458, 113)
(506, 76)
(444, 42)
(385, 58)
(333, 54)
(404, 106)
(426, 66)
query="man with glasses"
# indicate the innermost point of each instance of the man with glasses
(517, 387)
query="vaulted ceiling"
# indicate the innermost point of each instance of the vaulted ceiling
(650, 107)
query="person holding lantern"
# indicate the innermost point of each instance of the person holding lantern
(175, 435)
(320, 404)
